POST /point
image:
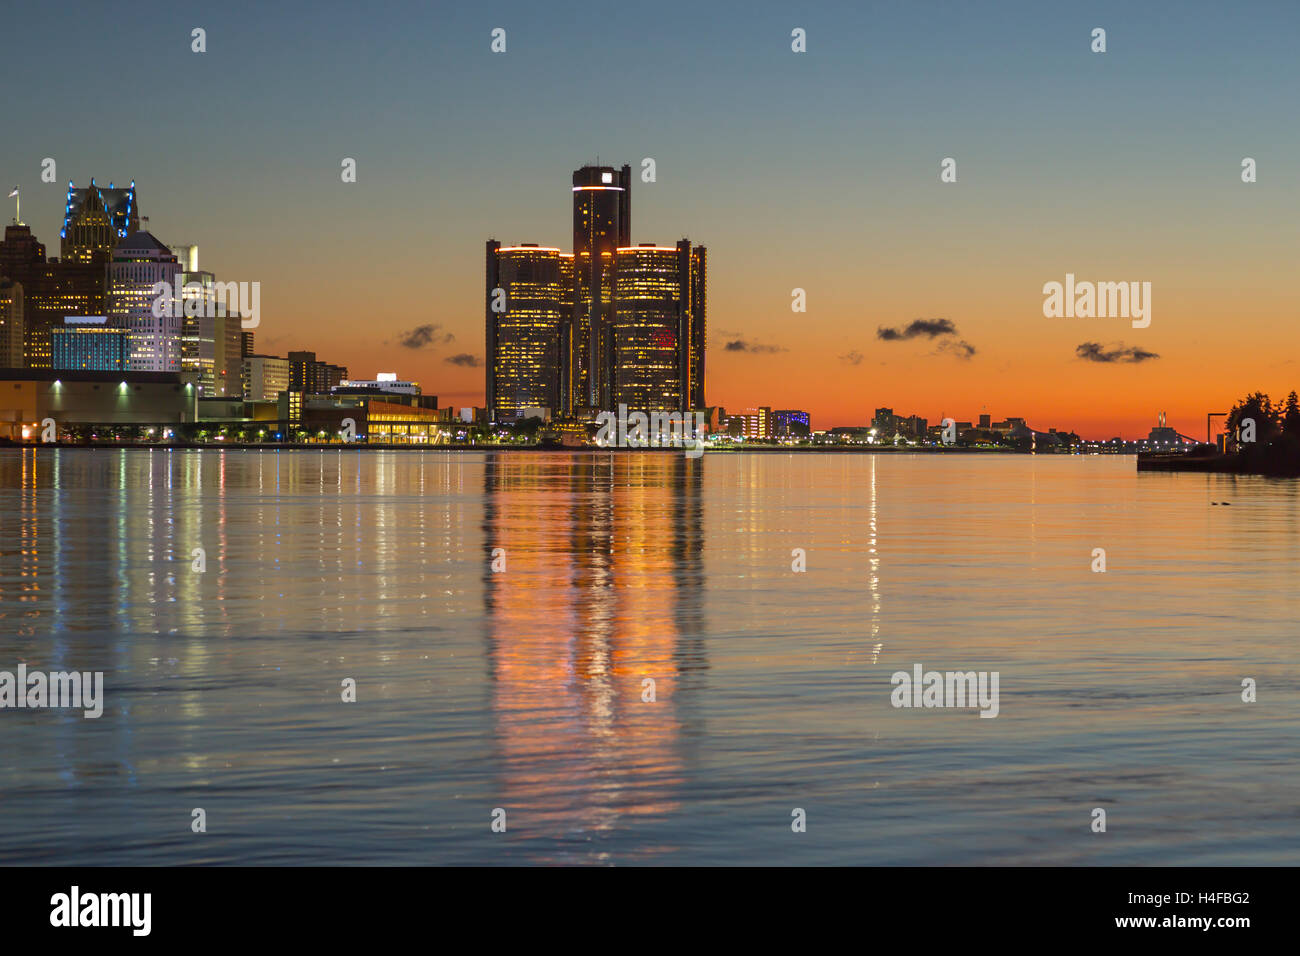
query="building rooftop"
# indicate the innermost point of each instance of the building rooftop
(139, 243)
(119, 204)
(78, 375)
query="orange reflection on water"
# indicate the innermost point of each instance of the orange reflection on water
(598, 550)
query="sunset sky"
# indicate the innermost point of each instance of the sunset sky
(817, 170)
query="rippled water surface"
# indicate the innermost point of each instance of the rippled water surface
(523, 690)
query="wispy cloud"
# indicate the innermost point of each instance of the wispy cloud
(851, 358)
(930, 328)
(1096, 352)
(942, 329)
(424, 335)
(754, 348)
(958, 347)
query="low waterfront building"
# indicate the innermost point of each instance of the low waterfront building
(70, 397)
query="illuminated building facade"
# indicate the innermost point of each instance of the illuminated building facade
(11, 324)
(311, 377)
(211, 334)
(51, 290)
(602, 224)
(651, 332)
(699, 277)
(210, 351)
(265, 377)
(523, 340)
(570, 341)
(657, 336)
(386, 383)
(96, 220)
(90, 344)
(791, 422)
(187, 255)
(570, 346)
(751, 423)
(376, 420)
(154, 341)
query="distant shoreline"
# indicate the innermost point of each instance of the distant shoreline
(1263, 464)
(566, 449)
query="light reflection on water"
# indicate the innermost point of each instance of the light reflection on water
(524, 689)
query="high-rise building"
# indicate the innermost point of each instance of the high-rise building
(569, 346)
(96, 220)
(187, 255)
(227, 355)
(21, 253)
(88, 343)
(699, 318)
(562, 342)
(246, 346)
(11, 324)
(212, 347)
(265, 377)
(140, 263)
(651, 333)
(523, 361)
(602, 224)
(312, 377)
(211, 353)
(198, 326)
(51, 290)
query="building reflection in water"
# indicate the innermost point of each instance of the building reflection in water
(602, 591)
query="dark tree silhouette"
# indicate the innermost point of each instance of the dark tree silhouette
(1259, 407)
(1291, 416)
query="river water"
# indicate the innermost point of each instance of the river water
(507, 618)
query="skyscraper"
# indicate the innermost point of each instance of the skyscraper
(139, 263)
(265, 377)
(658, 302)
(523, 329)
(95, 220)
(312, 377)
(11, 324)
(187, 255)
(566, 338)
(699, 322)
(602, 223)
(51, 290)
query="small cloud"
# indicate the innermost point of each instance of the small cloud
(423, 335)
(464, 359)
(930, 328)
(740, 345)
(960, 348)
(1095, 352)
(851, 358)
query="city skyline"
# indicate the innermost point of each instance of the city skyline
(817, 171)
(119, 242)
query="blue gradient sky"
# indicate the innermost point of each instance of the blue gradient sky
(817, 170)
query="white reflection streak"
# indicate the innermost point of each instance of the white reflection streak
(873, 579)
